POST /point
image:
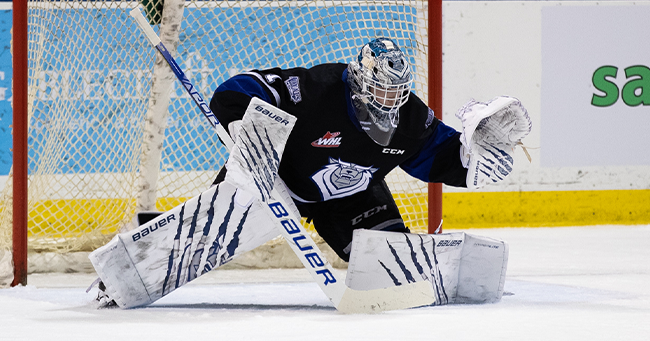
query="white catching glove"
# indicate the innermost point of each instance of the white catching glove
(491, 131)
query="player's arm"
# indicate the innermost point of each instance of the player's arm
(439, 158)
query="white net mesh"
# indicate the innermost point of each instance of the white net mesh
(90, 81)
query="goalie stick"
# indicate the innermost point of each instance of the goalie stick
(345, 299)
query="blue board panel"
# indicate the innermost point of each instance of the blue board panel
(285, 37)
(5, 92)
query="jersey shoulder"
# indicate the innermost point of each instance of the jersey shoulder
(416, 119)
(294, 85)
(318, 76)
(324, 73)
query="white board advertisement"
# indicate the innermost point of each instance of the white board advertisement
(595, 86)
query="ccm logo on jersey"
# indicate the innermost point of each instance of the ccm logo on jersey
(271, 115)
(368, 213)
(393, 151)
(146, 231)
(329, 140)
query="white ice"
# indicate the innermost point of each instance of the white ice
(578, 283)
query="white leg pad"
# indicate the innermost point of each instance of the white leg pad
(141, 266)
(482, 272)
(462, 268)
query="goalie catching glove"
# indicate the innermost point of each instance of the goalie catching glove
(491, 131)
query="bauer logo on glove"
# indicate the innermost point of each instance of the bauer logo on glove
(491, 131)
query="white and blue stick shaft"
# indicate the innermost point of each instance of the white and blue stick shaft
(189, 87)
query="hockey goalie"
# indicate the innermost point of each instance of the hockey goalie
(317, 143)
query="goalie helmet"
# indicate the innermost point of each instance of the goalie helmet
(380, 81)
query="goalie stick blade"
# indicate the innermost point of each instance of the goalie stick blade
(393, 298)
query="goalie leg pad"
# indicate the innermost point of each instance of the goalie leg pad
(207, 231)
(482, 273)
(147, 263)
(462, 268)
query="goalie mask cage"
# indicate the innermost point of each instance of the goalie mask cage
(111, 133)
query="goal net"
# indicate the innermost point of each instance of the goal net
(110, 133)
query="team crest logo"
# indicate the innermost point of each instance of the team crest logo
(329, 140)
(340, 179)
(293, 85)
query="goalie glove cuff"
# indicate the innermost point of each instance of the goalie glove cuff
(488, 164)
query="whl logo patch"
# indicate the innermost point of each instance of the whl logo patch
(329, 140)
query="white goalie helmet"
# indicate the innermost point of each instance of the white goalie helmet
(380, 81)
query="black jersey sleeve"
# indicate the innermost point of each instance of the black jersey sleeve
(231, 98)
(439, 159)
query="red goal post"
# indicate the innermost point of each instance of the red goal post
(435, 103)
(20, 129)
(25, 217)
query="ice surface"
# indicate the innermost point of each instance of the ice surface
(578, 283)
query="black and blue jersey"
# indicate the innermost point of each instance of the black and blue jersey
(328, 155)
